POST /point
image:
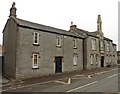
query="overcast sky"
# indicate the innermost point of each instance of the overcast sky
(60, 13)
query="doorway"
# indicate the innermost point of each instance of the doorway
(58, 64)
(102, 61)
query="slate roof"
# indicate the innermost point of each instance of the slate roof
(85, 33)
(94, 34)
(31, 25)
(79, 32)
(105, 38)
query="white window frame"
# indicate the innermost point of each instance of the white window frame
(102, 45)
(75, 59)
(33, 60)
(91, 59)
(58, 41)
(93, 41)
(108, 46)
(110, 58)
(34, 38)
(74, 43)
(107, 59)
(96, 59)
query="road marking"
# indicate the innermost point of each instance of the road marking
(12, 88)
(106, 71)
(89, 76)
(82, 86)
(42, 83)
(67, 83)
(113, 75)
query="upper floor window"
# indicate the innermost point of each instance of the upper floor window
(110, 58)
(36, 38)
(102, 45)
(75, 58)
(75, 43)
(114, 48)
(93, 44)
(35, 60)
(58, 41)
(108, 46)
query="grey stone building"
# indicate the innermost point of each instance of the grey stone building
(99, 51)
(32, 49)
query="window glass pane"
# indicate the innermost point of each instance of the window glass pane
(35, 60)
(36, 37)
(75, 43)
(93, 44)
(91, 59)
(58, 41)
(75, 59)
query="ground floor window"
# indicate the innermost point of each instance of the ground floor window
(75, 58)
(96, 59)
(107, 60)
(91, 59)
(110, 58)
(35, 60)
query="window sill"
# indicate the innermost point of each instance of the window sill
(94, 50)
(35, 44)
(35, 68)
(75, 47)
(74, 65)
(58, 46)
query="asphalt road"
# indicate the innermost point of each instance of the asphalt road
(106, 81)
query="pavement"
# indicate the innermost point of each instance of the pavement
(7, 82)
(94, 80)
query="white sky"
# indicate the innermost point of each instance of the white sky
(60, 13)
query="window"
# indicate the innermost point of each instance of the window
(110, 59)
(102, 45)
(114, 48)
(36, 38)
(75, 57)
(58, 41)
(35, 60)
(113, 58)
(108, 46)
(91, 59)
(96, 59)
(93, 44)
(107, 59)
(75, 43)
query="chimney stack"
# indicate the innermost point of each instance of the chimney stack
(13, 10)
(99, 24)
(73, 26)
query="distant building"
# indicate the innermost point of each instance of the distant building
(32, 50)
(99, 50)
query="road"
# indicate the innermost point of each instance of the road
(106, 81)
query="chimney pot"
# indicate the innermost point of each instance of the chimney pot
(72, 26)
(13, 10)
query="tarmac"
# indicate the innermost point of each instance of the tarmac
(7, 82)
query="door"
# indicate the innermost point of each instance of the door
(58, 64)
(102, 61)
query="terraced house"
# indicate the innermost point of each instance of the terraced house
(32, 50)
